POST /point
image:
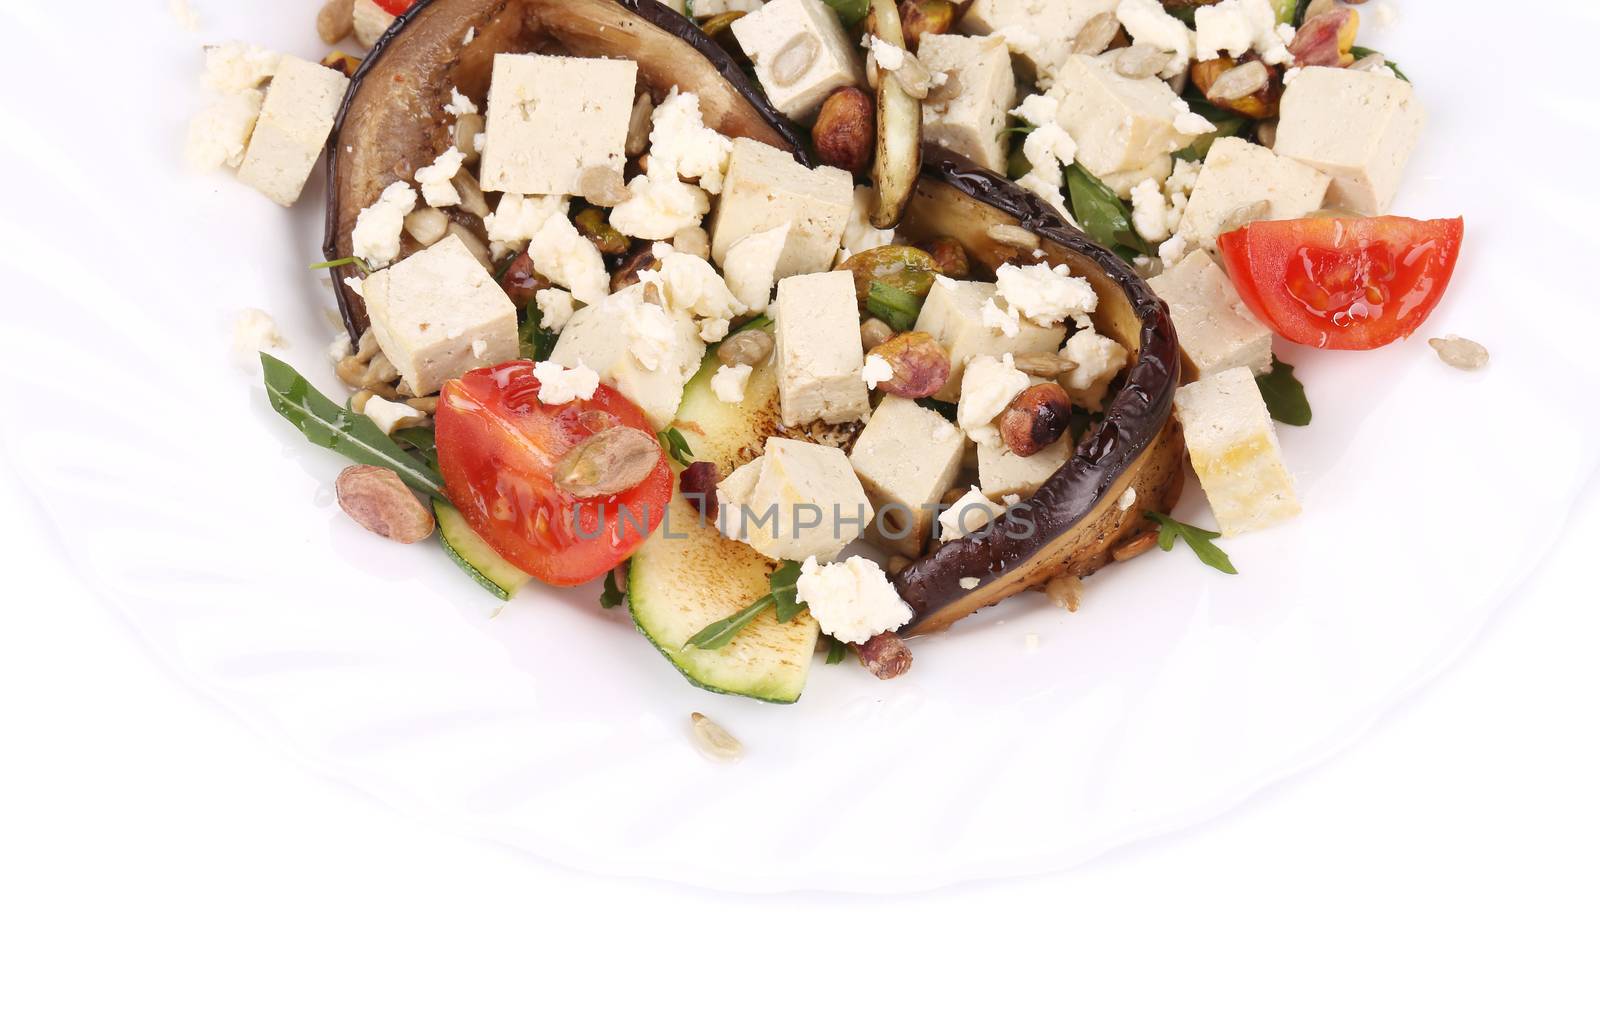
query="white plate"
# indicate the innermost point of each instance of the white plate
(1174, 694)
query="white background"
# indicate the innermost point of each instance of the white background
(161, 865)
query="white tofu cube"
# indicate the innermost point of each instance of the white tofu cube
(371, 21)
(796, 501)
(1119, 124)
(801, 54)
(970, 124)
(751, 266)
(1235, 452)
(819, 352)
(1215, 329)
(438, 314)
(907, 458)
(953, 315)
(639, 348)
(1039, 31)
(1002, 471)
(1358, 127)
(296, 118)
(766, 188)
(550, 118)
(1238, 174)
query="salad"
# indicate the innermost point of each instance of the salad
(809, 326)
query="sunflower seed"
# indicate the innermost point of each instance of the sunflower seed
(713, 742)
(1459, 352)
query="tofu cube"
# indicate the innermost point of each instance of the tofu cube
(438, 314)
(907, 458)
(953, 315)
(1002, 471)
(819, 352)
(1215, 329)
(970, 124)
(610, 337)
(1119, 124)
(801, 54)
(1358, 127)
(296, 118)
(1040, 31)
(370, 21)
(550, 118)
(766, 188)
(1235, 452)
(1237, 174)
(796, 501)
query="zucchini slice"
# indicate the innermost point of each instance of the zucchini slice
(473, 554)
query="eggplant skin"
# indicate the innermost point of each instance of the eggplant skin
(392, 121)
(1076, 519)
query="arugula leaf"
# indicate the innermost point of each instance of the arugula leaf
(849, 11)
(1359, 52)
(420, 440)
(611, 596)
(836, 651)
(784, 596)
(1199, 541)
(338, 263)
(716, 635)
(533, 340)
(673, 444)
(688, 9)
(1023, 127)
(1284, 394)
(899, 308)
(332, 426)
(1101, 212)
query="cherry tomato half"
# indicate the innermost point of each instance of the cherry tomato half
(498, 449)
(395, 7)
(1344, 283)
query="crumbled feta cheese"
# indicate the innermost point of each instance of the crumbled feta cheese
(729, 383)
(1150, 211)
(355, 286)
(967, 515)
(568, 259)
(1172, 252)
(1125, 502)
(339, 348)
(1236, 26)
(376, 237)
(1099, 359)
(517, 219)
(555, 308)
(713, 330)
(390, 415)
(968, 583)
(1187, 122)
(681, 141)
(434, 180)
(876, 370)
(559, 385)
(1035, 182)
(1148, 22)
(459, 104)
(235, 67)
(1004, 319)
(472, 34)
(660, 207)
(859, 232)
(650, 334)
(692, 285)
(253, 332)
(1038, 110)
(1291, 74)
(219, 134)
(1049, 149)
(889, 57)
(1043, 294)
(986, 389)
(1184, 175)
(852, 601)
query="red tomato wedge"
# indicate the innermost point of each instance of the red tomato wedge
(498, 449)
(395, 7)
(1350, 284)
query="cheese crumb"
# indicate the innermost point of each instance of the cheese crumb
(1049, 149)
(435, 180)
(852, 601)
(517, 219)
(459, 104)
(1187, 122)
(235, 67)
(987, 388)
(219, 134)
(568, 259)
(254, 332)
(661, 205)
(376, 238)
(876, 370)
(729, 383)
(889, 57)
(339, 348)
(1043, 294)
(971, 513)
(681, 141)
(355, 286)
(1099, 359)
(559, 385)
(555, 308)
(1148, 22)
(968, 583)
(1150, 211)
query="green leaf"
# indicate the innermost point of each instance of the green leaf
(611, 596)
(339, 263)
(1286, 10)
(720, 633)
(332, 426)
(784, 595)
(947, 409)
(1198, 540)
(1284, 394)
(673, 444)
(1359, 52)
(1300, 9)
(1228, 123)
(849, 11)
(534, 342)
(1101, 212)
(836, 651)
(1021, 127)
(899, 308)
(760, 322)
(420, 440)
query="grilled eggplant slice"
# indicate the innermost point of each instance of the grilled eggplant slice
(393, 121)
